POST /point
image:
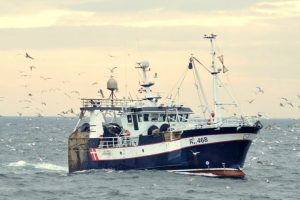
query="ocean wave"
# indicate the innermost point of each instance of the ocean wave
(43, 166)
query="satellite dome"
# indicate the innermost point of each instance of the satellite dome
(112, 84)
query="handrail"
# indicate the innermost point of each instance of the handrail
(108, 102)
(116, 142)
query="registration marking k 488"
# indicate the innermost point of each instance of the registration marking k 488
(199, 140)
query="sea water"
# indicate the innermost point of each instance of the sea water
(34, 166)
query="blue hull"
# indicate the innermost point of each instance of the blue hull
(219, 155)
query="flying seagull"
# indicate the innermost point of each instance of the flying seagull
(251, 101)
(28, 56)
(101, 93)
(112, 69)
(195, 153)
(260, 90)
(44, 78)
(281, 104)
(32, 67)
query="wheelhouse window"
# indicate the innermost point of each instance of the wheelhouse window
(140, 117)
(180, 118)
(146, 117)
(185, 117)
(172, 117)
(154, 117)
(129, 118)
(162, 118)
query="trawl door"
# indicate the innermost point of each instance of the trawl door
(135, 122)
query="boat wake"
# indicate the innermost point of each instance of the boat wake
(41, 166)
(196, 174)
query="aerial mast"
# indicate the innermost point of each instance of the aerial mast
(216, 114)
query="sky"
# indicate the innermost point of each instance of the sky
(74, 43)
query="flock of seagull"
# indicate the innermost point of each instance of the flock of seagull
(284, 102)
(27, 102)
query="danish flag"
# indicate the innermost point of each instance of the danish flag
(93, 154)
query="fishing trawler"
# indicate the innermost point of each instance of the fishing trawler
(127, 134)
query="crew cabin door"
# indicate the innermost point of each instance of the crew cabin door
(135, 122)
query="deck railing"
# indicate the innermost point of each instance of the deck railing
(110, 102)
(115, 142)
(247, 120)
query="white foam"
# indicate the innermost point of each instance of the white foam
(43, 166)
(49, 166)
(197, 174)
(20, 163)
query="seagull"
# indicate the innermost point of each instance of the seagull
(75, 92)
(251, 101)
(45, 78)
(43, 103)
(67, 95)
(64, 112)
(101, 93)
(259, 90)
(28, 56)
(284, 99)
(259, 114)
(281, 104)
(95, 83)
(29, 94)
(25, 75)
(155, 75)
(195, 153)
(112, 69)
(32, 67)
(60, 115)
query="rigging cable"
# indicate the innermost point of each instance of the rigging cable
(171, 91)
(177, 94)
(202, 64)
(197, 88)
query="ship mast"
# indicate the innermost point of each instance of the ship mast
(217, 112)
(146, 83)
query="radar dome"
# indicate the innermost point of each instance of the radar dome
(145, 64)
(112, 84)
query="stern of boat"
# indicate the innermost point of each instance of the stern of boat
(78, 150)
